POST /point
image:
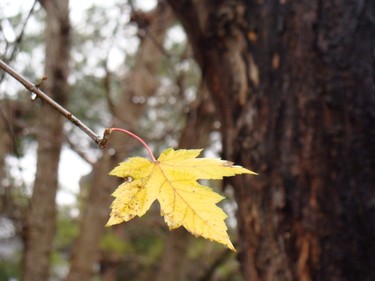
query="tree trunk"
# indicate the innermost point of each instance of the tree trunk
(141, 82)
(11, 114)
(42, 209)
(293, 84)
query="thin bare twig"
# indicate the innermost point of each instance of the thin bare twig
(107, 88)
(77, 150)
(40, 94)
(220, 259)
(19, 38)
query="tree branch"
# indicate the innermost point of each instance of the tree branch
(77, 150)
(220, 259)
(19, 38)
(40, 94)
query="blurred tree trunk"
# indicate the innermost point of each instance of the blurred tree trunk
(140, 84)
(293, 83)
(12, 116)
(41, 215)
(5, 149)
(5, 139)
(10, 111)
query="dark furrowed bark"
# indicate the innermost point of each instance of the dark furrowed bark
(293, 85)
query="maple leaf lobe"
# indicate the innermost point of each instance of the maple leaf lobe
(172, 180)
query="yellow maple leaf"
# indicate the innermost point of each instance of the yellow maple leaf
(172, 180)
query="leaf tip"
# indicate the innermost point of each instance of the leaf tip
(231, 247)
(113, 220)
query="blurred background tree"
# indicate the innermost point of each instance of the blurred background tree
(130, 67)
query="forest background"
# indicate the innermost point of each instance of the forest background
(105, 50)
(285, 88)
